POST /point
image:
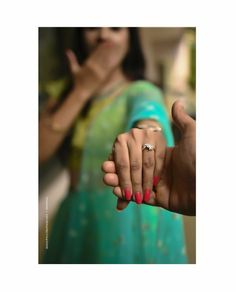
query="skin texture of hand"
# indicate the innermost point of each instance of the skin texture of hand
(175, 190)
(135, 167)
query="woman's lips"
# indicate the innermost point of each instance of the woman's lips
(106, 43)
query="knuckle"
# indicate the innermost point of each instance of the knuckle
(125, 184)
(148, 163)
(121, 138)
(135, 132)
(148, 133)
(121, 165)
(135, 165)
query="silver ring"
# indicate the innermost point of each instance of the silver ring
(149, 147)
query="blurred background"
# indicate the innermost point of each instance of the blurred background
(170, 55)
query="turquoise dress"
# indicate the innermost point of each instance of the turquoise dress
(87, 228)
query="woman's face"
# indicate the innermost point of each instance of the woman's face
(116, 36)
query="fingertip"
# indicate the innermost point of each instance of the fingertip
(121, 205)
(68, 52)
(104, 181)
(111, 179)
(117, 191)
(108, 166)
(179, 115)
(175, 108)
(180, 103)
(103, 166)
(138, 198)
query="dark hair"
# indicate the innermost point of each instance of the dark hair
(133, 65)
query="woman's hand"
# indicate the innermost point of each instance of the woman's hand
(138, 167)
(97, 67)
(175, 168)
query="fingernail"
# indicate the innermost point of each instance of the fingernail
(128, 194)
(117, 207)
(147, 195)
(138, 198)
(156, 180)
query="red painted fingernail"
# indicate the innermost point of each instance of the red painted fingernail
(147, 195)
(156, 180)
(138, 198)
(128, 194)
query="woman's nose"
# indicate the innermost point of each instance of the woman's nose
(104, 33)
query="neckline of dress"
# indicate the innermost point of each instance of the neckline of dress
(114, 88)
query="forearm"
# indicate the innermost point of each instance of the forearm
(54, 127)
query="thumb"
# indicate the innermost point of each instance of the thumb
(180, 117)
(73, 62)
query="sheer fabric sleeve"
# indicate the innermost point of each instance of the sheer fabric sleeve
(145, 101)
